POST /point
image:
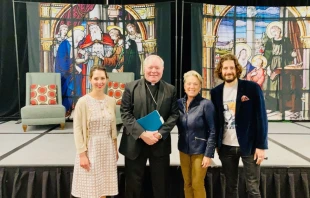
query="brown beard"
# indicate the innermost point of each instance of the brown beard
(229, 81)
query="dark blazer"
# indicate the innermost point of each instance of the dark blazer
(251, 118)
(196, 127)
(133, 107)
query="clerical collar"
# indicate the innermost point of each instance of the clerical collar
(149, 83)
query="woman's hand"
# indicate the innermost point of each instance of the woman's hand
(206, 161)
(115, 146)
(116, 155)
(84, 161)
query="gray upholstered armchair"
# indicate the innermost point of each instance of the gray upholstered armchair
(123, 77)
(43, 114)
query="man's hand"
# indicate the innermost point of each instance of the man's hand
(84, 161)
(206, 161)
(148, 137)
(157, 134)
(259, 155)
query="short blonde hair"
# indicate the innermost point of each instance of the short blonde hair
(192, 73)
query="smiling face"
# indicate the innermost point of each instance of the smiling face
(229, 73)
(98, 79)
(192, 86)
(153, 69)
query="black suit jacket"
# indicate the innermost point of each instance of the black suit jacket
(250, 117)
(133, 107)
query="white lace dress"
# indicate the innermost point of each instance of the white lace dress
(101, 180)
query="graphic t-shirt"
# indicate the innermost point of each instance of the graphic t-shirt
(229, 103)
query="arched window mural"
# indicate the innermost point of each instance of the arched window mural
(75, 37)
(272, 45)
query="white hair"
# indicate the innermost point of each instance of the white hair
(152, 57)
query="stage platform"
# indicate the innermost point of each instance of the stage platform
(50, 149)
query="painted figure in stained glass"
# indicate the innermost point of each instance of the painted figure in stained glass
(65, 65)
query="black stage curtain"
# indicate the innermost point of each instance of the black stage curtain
(196, 30)
(163, 35)
(55, 182)
(9, 100)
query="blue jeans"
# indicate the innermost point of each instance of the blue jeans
(229, 156)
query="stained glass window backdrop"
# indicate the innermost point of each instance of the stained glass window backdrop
(75, 37)
(271, 44)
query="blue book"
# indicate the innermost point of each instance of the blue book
(152, 121)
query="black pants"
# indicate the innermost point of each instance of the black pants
(159, 168)
(229, 156)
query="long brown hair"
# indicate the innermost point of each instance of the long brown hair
(219, 66)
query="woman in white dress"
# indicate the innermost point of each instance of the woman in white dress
(95, 169)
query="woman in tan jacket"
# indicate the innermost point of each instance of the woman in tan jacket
(95, 169)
